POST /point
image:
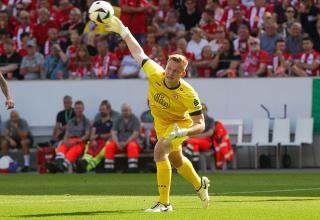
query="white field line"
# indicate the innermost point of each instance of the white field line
(266, 191)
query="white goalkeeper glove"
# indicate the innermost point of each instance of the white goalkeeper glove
(176, 133)
(115, 25)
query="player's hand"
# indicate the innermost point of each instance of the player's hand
(115, 25)
(176, 133)
(10, 104)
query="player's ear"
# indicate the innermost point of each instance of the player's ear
(183, 74)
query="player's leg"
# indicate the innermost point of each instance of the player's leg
(73, 154)
(110, 152)
(185, 169)
(133, 156)
(161, 151)
(25, 145)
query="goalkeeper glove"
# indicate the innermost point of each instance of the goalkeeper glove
(176, 133)
(115, 25)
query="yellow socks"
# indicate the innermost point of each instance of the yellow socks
(164, 180)
(189, 173)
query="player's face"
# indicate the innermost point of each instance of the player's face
(307, 45)
(78, 110)
(174, 71)
(14, 116)
(67, 103)
(104, 110)
(126, 111)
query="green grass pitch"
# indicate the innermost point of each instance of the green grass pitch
(234, 195)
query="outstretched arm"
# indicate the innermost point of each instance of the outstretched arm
(6, 92)
(115, 25)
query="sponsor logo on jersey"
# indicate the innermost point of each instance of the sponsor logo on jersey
(175, 96)
(162, 99)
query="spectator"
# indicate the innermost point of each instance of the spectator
(200, 142)
(100, 134)
(63, 11)
(121, 50)
(24, 26)
(23, 51)
(280, 9)
(132, 13)
(280, 60)
(74, 141)
(238, 21)
(55, 65)
(290, 14)
(233, 12)
(196, 43)
(73, 24)
(204, 65)
(17, 135)
(240, 44)
(146, 116)
(269, 37)
(294, 39)
(148, 134)
(308, 16)
(10, 61)
(189, 16)
(220, 35)
(162, 10)
(113, 114)
(208, 24)
(81, 67)
(129, 68)
(62, 119)
(215, 6)
(31, 65)
(150, 43)
(170, 26)
(256, 15)
(75, 43)
(254, 62)
(42, 27)
(105, 63)
(4, 22)
(53, 38)
(307, 62)
(124, 138)
(226, 62)
(316, 37)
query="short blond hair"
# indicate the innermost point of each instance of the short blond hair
(178, 58)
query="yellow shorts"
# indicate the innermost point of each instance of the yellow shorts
(164, 130)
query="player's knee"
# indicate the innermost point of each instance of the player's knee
(176, 159)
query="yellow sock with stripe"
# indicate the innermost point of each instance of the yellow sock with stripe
(189, 173)
(164, 180)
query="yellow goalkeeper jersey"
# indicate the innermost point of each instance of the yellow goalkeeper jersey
(168, 105)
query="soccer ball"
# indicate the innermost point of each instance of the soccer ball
(100, 11)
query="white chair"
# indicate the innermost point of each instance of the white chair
(280, 136)
(259, 137)
(303, 135)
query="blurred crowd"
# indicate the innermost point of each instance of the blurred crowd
(54, 39)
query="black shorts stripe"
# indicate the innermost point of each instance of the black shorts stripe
(195, 113)
(144, 61)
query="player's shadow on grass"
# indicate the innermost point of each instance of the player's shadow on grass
(44, 215)
(271, 200)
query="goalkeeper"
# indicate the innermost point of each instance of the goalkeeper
(177, 114)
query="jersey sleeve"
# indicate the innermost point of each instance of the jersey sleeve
(151, 68)
(193, 104)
